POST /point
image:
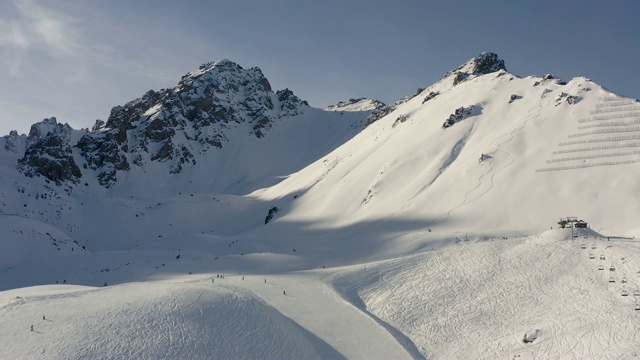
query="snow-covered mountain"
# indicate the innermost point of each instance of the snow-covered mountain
(221, 115)
(364, 230)
(551, 148)
(361, 104)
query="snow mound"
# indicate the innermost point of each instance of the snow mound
(153, 321)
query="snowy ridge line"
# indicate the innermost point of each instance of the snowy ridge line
(615, 138)
(614, 104)
(595, 156)
(608, 147)
(604, 131)
(609, 117)
(582, 166)
(612, 124)
(626, 108)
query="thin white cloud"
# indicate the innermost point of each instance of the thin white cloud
(37, 27)
(12, 36)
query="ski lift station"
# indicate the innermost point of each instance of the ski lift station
(572, 222)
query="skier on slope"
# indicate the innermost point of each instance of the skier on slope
(481, 158)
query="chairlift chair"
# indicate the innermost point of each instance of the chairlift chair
(602, 257)
(636, 293)
(637, 306)
(600, 267)
(624, 293)
(594, 246)
(592, 256)
(612, 268)
(623, 280)
(612, 280)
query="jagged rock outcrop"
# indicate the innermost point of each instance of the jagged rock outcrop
(430, 96)
(462, 113)
(167, 126)
(270, 214)
(485, 63)
(171, 125)
(48, 152)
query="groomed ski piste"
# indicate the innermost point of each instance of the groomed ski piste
(475, 299)
(394, 244)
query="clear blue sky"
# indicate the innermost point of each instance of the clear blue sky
(77, 59)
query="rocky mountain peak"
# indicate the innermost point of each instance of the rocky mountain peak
(485, 63)
(50, 125)
(169, 125)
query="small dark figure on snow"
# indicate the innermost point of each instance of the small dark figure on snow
(31, 327)
(212, 280)
(284, 292)
(43, 318)
(243, 278)
(218, 275)
(178, 257)
(482, 157)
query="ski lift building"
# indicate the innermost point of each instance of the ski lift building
(572, 222)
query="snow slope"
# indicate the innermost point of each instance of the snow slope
(478, 300)
(153, 321)
(387, 241)
(405, 166)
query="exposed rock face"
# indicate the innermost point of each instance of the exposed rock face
(167, 126)
(462, 113)
(430, 96)
(48, 152)
(170, 125)
(485, 63)
(52, 158)
(380, 113)
(270, 215)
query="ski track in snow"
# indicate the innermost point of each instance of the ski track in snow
(517, 126)
(483, 297)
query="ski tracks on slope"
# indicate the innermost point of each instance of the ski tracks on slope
(482, 297)
(520, 124)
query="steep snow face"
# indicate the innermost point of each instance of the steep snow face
(550, 149)
(361, 104)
